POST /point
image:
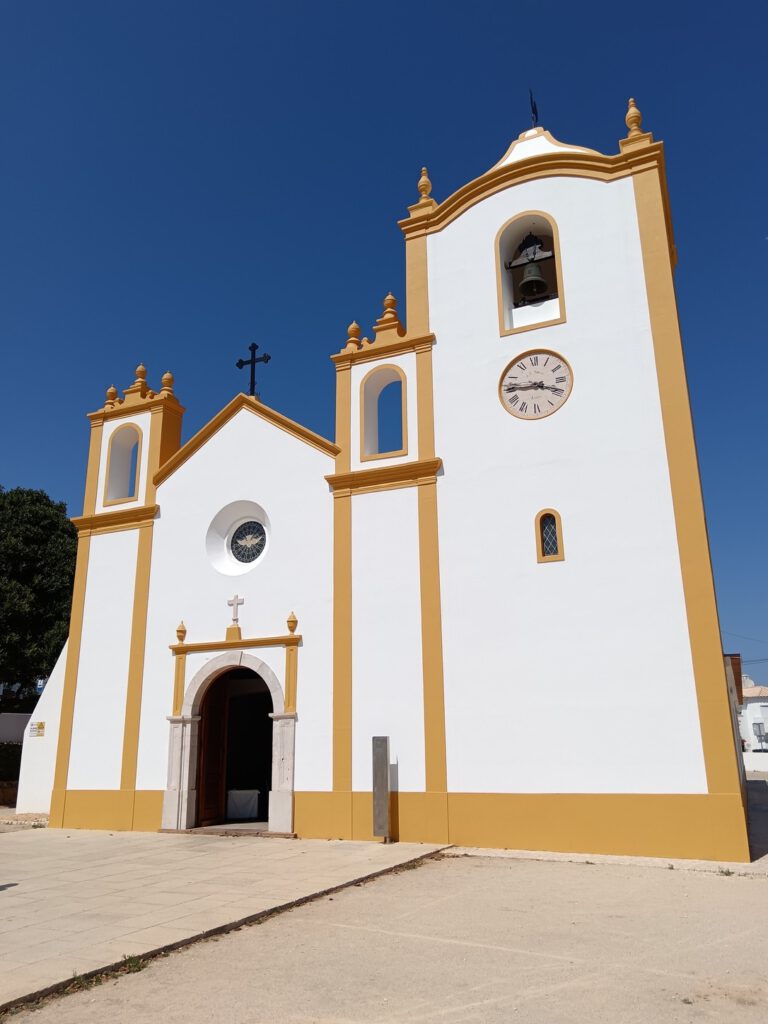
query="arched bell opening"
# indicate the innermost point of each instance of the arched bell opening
(235, 750)
(383, 427)
(530, 280)
(123, 457)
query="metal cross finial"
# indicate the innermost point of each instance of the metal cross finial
(252, 348)
(534, 110)
(234, 604)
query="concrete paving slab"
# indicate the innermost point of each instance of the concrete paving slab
(78, 900)
(470, 940)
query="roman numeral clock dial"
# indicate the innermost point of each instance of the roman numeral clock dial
(535, 385)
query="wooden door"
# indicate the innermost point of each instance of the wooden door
(211, 798)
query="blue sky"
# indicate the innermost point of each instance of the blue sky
(178, 179)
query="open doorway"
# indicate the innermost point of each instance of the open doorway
(235, 750)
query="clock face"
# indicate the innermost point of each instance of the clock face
(535, 385)
(248, 541)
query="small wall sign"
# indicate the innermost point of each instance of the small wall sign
(37, 728)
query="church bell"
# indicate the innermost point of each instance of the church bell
(533, 283)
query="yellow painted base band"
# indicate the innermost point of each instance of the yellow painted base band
(696, 826)
(120, 810)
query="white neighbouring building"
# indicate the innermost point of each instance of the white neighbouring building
(469, 589)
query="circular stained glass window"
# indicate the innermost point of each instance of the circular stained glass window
(248, 541)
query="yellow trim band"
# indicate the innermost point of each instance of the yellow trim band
(697, 826)
(123, 519)
(291, 640)
(405, 474)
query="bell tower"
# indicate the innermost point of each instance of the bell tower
(131, 437)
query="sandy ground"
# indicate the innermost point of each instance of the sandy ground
(467, 939)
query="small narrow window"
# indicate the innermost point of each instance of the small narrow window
(549, 536)
(528, 263)
(382, 411)
(123, 465)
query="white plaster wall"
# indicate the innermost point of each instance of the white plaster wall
(387, 677)
(407, 363)
(38, 755)
(570, 676)
(102, 679)
(248, 459)
(142, 421)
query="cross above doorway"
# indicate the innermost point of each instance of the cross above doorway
(234, 604)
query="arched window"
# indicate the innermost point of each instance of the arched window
(549, 536)
(529, 276)
(383, 431)
(123, 460)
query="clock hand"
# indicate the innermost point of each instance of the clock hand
(519, 387)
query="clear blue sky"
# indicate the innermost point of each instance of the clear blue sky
(178, 178)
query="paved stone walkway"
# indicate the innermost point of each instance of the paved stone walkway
(470, 940)
(73, 901)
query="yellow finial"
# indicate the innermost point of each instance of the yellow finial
(181, 632)
(425, 185)
(633, 120)
(167, 381)
(292, 623)
(389, 320)
(353, 337)
(141, 372)
(111, 394)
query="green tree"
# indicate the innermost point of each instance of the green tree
(37, 568)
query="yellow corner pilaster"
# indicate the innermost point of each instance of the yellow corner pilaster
(179, 678)
(342, 641)
(432, 641)
(61, 770)
(136, 659)
(720, 753)
(291, 677)
(92, 472)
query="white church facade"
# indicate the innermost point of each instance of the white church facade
(252, 607)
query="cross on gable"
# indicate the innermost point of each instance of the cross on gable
(252, 348)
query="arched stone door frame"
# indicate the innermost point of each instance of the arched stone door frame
(180, 799)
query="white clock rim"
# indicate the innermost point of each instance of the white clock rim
(523, 355)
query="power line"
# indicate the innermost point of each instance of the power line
(741, 636)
